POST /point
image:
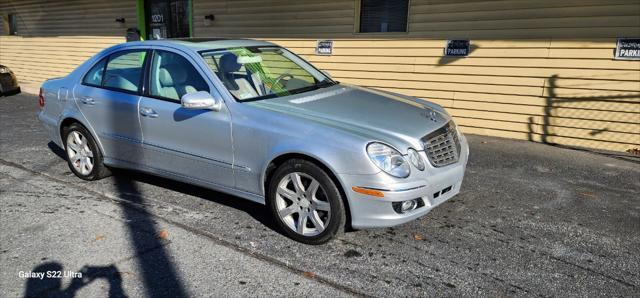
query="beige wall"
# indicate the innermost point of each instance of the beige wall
(539, 69)
(35, 59)
(57, 35)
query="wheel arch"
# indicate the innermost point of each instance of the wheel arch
(282, 158)
(67, 121)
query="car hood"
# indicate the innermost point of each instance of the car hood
(373, 113)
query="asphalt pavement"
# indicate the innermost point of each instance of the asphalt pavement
(530, 220)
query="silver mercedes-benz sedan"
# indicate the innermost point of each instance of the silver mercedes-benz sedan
(252, 119)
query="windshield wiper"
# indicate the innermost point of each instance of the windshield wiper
(325, 83)
(321, 84)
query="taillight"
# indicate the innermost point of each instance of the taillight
(41, 99)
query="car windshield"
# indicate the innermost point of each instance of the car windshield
(253, 73)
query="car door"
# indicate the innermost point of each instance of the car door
(108, 97)
(191, 143)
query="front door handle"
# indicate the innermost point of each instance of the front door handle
(88, 101)
(148, 112)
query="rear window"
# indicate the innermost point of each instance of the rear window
(94, 75)
(124, 71)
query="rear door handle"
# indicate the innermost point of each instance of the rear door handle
(148, 112)
(88, 101)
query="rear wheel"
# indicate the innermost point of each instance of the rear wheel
(83, 156)
(305, 202)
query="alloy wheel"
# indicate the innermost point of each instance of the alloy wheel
(79, 152)
(302, 204)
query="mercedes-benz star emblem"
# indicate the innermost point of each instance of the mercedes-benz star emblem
(431, 114)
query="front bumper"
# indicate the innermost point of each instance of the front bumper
(433, 186)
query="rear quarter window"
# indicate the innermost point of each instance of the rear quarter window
(94, 76)
(124, 71)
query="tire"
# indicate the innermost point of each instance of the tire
(313, 215)
(83, 155)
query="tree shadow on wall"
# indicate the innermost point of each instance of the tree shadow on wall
(559, 120)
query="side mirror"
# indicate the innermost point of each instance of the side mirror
(200, 100)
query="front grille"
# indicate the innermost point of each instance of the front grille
(442, 146)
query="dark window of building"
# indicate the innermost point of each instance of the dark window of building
(383, 15)
(13, 24)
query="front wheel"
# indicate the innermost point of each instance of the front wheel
(305, 202)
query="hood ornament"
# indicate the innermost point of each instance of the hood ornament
(431, 115)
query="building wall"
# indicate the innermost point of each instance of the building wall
(434, 19)
(540, 70)
(55, 36)
(70, 17)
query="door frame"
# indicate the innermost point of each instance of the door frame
(142, 19)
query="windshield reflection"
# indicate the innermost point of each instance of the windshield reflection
(255, 73)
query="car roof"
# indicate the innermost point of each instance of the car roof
(203, 44)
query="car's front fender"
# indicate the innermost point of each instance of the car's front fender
(260, 137)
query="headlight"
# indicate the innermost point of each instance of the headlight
(454, 127)
(388, 159)
(415, 159)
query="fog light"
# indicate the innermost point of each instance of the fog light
(408, 205)
(405, 206)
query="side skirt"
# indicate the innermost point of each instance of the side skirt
(116, 163)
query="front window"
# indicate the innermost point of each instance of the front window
(173, 76)
(124, 71)
(252, 73)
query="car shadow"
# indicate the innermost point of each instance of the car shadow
(11, 93)
(57, 150)
(257, 211)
